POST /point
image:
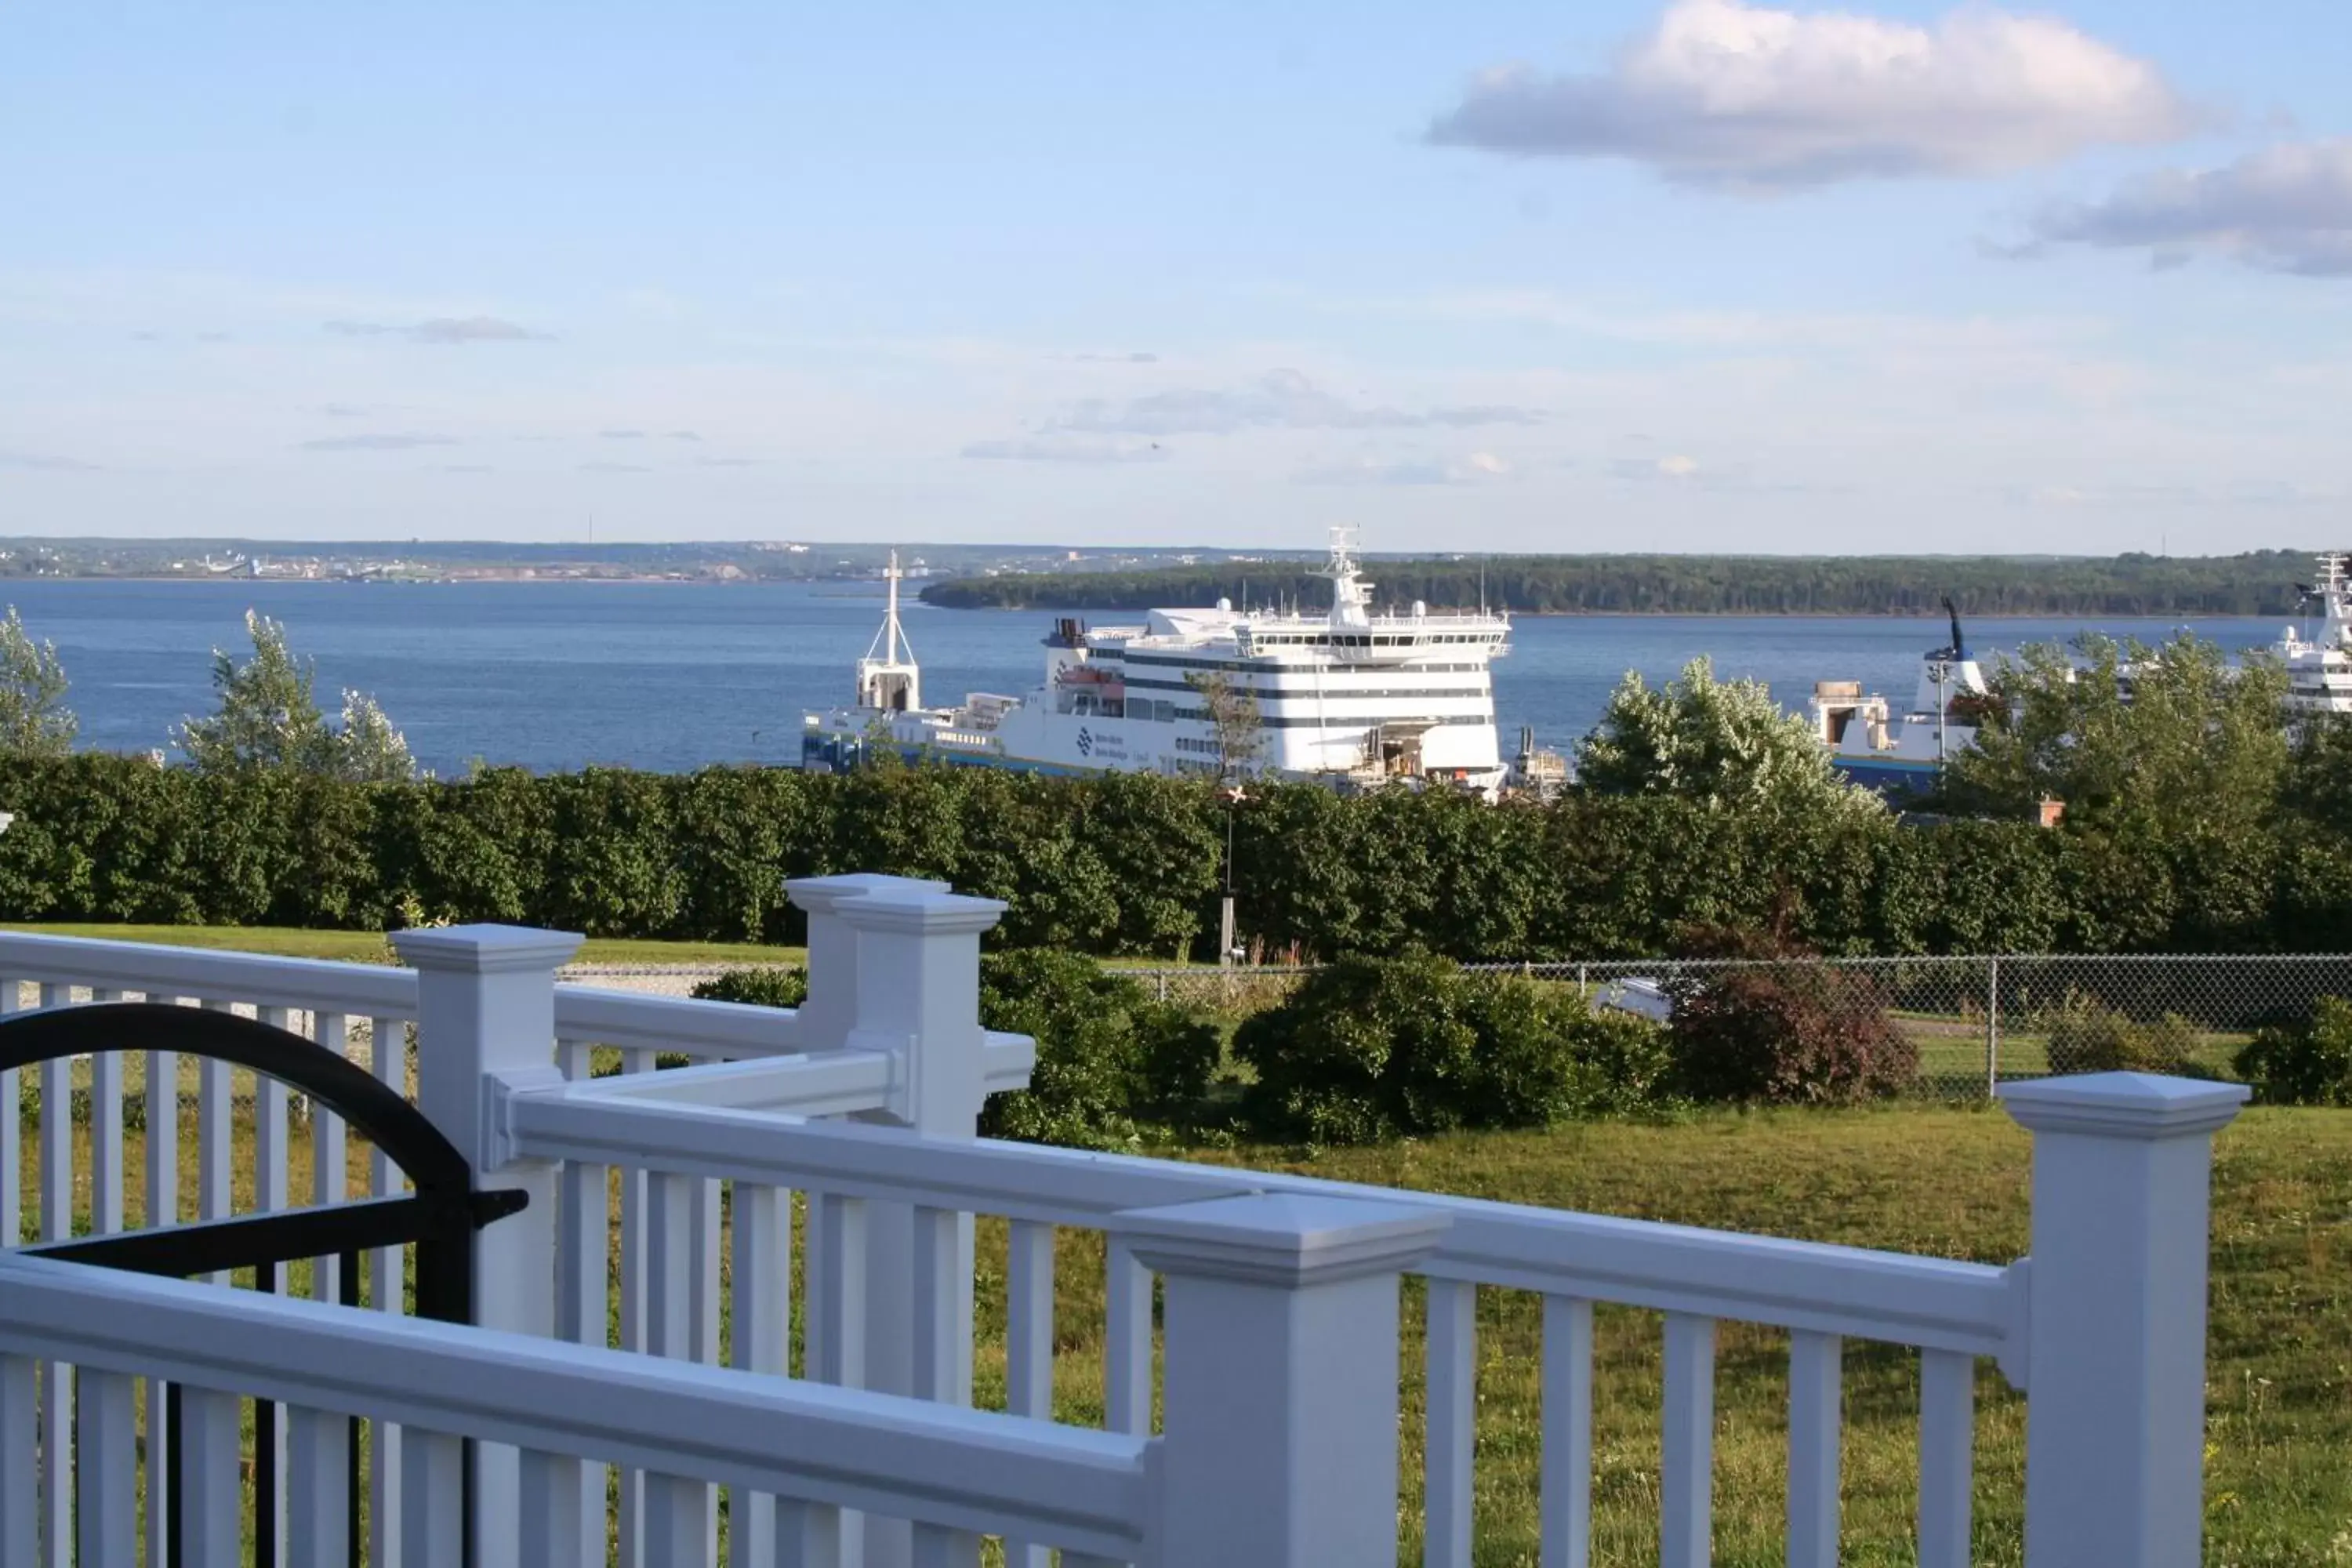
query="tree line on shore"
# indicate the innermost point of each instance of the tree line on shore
(2259, 582)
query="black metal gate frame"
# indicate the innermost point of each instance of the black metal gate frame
(439, 1217)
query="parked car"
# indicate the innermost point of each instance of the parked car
(1637, 995)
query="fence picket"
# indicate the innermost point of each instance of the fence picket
(1449, 1448)
(1567, 1457)
(106, 1467)
(762, 1266)
(432, 1498)
(20, 1464)
(161, 1207)
(1816, 1390)
(388, 1060)
(56, 1224)
(552, 1511)
(212, 1505)
(1127, 1360)
(1029, 1345)
(318, 1472)
(1946, 1457)
(1686, 1460)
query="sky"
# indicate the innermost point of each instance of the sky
(1602, 276)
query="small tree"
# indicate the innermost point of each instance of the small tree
(268, 719)
(368, 750)
(1722, 743)
(34, 719)
(1232, 714)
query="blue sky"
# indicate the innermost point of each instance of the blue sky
(1697, 276)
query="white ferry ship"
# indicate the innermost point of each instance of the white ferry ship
(2319, 665)
(1901, 753)
(1345, 696)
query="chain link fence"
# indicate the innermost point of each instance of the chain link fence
(1977, 1020)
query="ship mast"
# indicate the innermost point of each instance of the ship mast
(889, 677)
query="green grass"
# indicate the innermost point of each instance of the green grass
(370, 947)
(1916, 1178)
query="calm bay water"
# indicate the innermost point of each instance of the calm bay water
(672, 676)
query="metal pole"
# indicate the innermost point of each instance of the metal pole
(1992, 1030)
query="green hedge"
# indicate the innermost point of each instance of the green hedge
(1123, 863)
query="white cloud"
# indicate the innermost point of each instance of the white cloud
(2287, 208)
(375, 443)
(1673, 466)
(447, 331)
(1472, 469)
(1727, 92)
(1067, 449)
(1281, 399)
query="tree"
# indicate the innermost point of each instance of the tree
(368, 750)
(1232, 710)
(34, 719)
(1721, 744)
(268, 719)
(2169, 738)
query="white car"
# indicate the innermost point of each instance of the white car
(1637, 995)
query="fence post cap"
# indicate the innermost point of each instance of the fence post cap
(1281, 1238)
(922, 910)
(484, 949)
(2127, 1105)
(822, 895)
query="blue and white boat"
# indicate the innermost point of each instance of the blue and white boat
(1903, 753)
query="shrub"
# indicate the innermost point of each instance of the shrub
(1798, 1032)
(2085, 1036)
(1372, 1048)
(764, 987)
(1111, 1061)
(2305, 1064)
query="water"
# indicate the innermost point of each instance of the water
(672, 676)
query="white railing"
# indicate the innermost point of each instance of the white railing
(858, 1110)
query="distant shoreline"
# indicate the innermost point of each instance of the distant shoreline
(834, 588)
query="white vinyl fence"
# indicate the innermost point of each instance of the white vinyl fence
(1253, 1422)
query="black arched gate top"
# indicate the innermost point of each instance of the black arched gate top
(439, 1217)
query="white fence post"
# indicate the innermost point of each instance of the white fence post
(484, 1009)
(894, 967)
(1279, 1443)
(2114, 1360)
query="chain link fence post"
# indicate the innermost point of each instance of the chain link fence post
(1992, 1028)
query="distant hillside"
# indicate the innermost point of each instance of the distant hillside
(2262, 584)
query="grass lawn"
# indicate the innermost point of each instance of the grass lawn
(1918, 1178)
(369, 947)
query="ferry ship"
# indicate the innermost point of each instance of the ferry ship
(1903, 753)
(2319, 666)
(1345, 696)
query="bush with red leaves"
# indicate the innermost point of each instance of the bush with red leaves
(1779, 1027)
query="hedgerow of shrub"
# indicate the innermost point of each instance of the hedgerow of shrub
(1785, 1033)
(777, 987)
(2084, 1036)
(1113, 1064)
(1373, 1049)
(2302, 1064)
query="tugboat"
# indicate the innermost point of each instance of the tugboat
(1903, 755)
(1348, 696)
